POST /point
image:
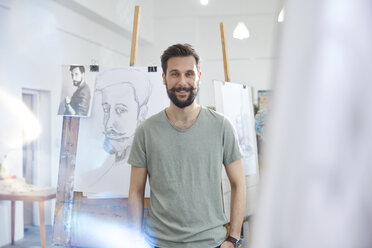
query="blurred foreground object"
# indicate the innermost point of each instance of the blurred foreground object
(317, 189)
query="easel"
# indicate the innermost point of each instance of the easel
(224, 53)
(70, 206)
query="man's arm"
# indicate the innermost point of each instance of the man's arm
(82, 107)
(68, 108)
(235, 173)
(136, 196)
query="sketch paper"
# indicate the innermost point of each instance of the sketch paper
(77, 91)
(235, 102)
(124, 97)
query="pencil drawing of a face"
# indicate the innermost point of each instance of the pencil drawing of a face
(120, 116)
(124, 103)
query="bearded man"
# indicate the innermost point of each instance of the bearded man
(182, 150)
(78, 103)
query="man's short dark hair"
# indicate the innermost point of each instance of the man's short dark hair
(178, 50)
(81, 68)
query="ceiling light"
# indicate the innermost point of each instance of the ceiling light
(203, 2)
(281, 16)
(241, 31)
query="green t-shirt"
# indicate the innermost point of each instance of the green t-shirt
(184, 169)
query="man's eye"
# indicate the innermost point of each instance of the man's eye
(121, 110)
(190, 74)
(174, 74)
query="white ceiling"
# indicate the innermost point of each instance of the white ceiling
(228, 8)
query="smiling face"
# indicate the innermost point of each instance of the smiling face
(182, 80)
(120, 116)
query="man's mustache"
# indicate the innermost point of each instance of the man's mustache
(112, 133)
(178, 89)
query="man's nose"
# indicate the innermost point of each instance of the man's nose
(109, 121)
(183, 80)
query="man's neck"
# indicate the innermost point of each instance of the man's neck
(183, 118)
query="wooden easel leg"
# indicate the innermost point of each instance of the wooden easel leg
(13, 219)
(42, 223)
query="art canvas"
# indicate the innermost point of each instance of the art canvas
(123, 98)
(77, 90)
(235, 102)
(263, 97)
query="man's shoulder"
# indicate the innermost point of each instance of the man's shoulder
(156, 119)
(214, 115)
(83, 90)
(217, 119)
(85, 87)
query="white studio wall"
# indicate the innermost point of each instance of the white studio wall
(117, 14)
(250, 60)
(36, 39)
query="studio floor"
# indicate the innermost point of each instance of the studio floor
(32, 238)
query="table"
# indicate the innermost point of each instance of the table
(39, 196)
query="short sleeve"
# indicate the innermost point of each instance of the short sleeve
(137, 156)
(231, 149)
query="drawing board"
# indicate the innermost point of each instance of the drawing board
(123, 98)
(235, 101)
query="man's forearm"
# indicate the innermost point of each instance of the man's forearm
(238, 204)
(135, 207)
(70, 110)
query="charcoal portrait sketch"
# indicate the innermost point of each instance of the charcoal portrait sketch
(124, 106)
(124, 97)
(235, 101)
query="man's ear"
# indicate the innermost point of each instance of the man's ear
(163, 75)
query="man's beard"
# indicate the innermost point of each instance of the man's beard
(119, 147)
(77, 83)
(182, 104)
